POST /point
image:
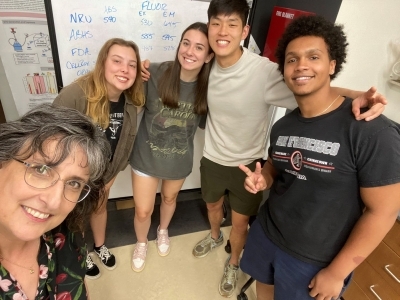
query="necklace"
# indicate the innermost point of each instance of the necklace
(31, 271)
(327, 107)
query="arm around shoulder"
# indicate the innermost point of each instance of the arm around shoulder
(371, 98)
(276, 91)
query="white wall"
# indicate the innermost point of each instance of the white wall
(370, 26)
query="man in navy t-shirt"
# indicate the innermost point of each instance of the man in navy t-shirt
(334, 182)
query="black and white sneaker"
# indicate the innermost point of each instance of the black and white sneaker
(92, 271)
(106, 257)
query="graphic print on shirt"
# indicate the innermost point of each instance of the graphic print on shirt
(115, 124)
(295, 160)
(170, 130)
(113, 131)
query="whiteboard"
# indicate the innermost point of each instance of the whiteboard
(83, 26)
(79, 28)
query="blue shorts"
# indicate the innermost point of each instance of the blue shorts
(268, 264)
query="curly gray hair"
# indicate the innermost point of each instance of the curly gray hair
(70, 129)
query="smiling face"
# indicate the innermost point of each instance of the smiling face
(27, 212)
(307, 65)
(225, 34)
(119, 70)
(193, 53)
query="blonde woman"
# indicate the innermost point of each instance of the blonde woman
(111, 95)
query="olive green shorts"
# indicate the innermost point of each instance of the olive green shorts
(218, 180)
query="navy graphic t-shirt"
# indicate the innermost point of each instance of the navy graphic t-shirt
(321, 164)
(113, 131)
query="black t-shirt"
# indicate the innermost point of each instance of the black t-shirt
(113, 131)
(322, 162)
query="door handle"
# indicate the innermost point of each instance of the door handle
(391, 274)
(372, 290)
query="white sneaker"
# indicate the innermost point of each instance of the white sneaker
(162, 242)
(139, 257)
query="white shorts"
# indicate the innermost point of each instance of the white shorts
(138, 173)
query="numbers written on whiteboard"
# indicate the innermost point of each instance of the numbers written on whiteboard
(146, 22)
(109, 19)
(147, 48)
(147, 36)
(167, 37)
(165, 48)
(108, 10)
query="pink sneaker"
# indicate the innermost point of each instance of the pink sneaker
(162, 242)
(139, 257)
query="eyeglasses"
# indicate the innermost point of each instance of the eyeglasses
(43, 177)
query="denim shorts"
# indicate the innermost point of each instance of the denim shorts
(268, 264)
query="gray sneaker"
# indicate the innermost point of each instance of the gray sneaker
(228, 282)
(205, 246)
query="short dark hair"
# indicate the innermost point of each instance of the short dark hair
(71, 129)
(229, 7)
(333, 35)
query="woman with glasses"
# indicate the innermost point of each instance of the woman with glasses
(52, 163)
(110, 95)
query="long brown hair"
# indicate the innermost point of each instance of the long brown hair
(95, 88)
(169, 83)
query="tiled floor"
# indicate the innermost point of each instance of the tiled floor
(177, 276)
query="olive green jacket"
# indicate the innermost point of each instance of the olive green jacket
(73, 96)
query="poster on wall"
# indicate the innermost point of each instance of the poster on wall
(25, 52)
(281, 17)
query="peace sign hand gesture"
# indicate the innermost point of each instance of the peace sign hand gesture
(254, 181)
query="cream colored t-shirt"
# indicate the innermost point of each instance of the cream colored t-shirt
(238, 99)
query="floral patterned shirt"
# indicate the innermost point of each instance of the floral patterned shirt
(62, 267)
